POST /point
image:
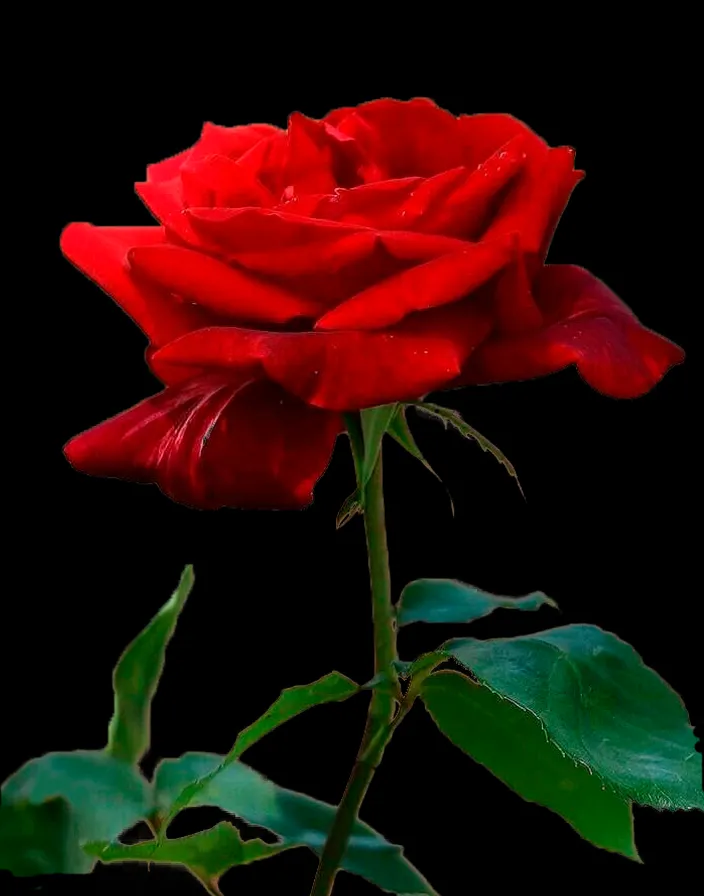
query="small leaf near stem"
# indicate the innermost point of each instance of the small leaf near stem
(366, 431)
(450, 417)
(400, 432)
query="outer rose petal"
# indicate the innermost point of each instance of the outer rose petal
(445, 279)
(588, 326)
(537, 198)
(101, 253)
(214, 139)
(341, 370)
(165, 200)
(215, 442)
(485, 133)
(217, 286)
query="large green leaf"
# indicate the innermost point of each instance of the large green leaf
(208, 854)
(104, 795)
(291, 702)
(40, 839)
(601, 705)
(445, 600)
(137, 675)
(450, 417)
(511, 743)
(298, 820)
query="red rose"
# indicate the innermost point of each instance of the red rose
(379, 254)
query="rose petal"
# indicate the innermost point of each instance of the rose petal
(586, 325)
(165, 200)
(217, 181)
(308, 167)
(330, 272)
(101, 254)
(217, 286)
(465, 210)
(511, 301)
(444, 279)
(169, 168)
(530, 208)
(232, 142)
(404, 139)
(262, 230)
(266, 161)
(484, 134)
(339, 371)
(215, 442)
(375, 205)
(561, 192)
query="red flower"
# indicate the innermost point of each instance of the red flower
(384, 252)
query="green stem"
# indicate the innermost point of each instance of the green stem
(380, 717)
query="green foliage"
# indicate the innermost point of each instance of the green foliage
(366, 432)
(298, 820)
(511, 743)
(449, 417)
(40, 839)
(601, 705)
(207, 854)
(292, 701)
(400, 431)
(137, 675)
(100, 797)
(445, 600)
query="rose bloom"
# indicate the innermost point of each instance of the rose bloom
(381, 253)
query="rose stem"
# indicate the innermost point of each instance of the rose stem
(378, 727)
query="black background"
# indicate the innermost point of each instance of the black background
(281, 597)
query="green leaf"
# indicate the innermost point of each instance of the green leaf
(298, 820)
(511, 744)
(445, 600)
(137, 675)
(601, 705)
(105, 796)
(350, 508)
(292, 701)
(375, 423)
(352, 505)
(400, 431)
(208, 854)
(453, 418)
(40, 839)
(353, 424)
